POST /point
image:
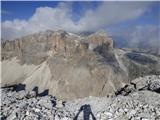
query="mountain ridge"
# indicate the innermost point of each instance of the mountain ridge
(69, 65)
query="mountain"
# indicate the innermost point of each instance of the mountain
(72, 66)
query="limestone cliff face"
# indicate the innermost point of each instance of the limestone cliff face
(70, 66)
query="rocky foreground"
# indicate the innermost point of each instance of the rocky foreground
(138, 101)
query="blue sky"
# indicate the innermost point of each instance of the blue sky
(22, 9)
(25, 9)
(21, 18)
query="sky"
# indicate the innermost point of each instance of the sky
(137, 21)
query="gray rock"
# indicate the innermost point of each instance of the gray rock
(143, 104)
(46, 102)
(21, 94)
(154, 85)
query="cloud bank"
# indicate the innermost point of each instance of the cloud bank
(60, 17)
(145, 37)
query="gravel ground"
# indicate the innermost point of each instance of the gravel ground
(138, 105)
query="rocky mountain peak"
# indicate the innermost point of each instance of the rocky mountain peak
(101, 32)
(62, 32)
(100, 39)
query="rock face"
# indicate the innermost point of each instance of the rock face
(138, 105)
(68, 65)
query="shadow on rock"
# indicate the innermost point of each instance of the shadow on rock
(20, 87)
(86, 113)
(44, 93)
(16, 87)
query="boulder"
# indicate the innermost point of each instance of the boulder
(149, 82)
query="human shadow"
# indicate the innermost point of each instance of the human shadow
(44, 93)
(20, 87)
(15, 87)
(86, 112)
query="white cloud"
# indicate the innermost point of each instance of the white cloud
(60, 18)
(145, 36)
(113, 12)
